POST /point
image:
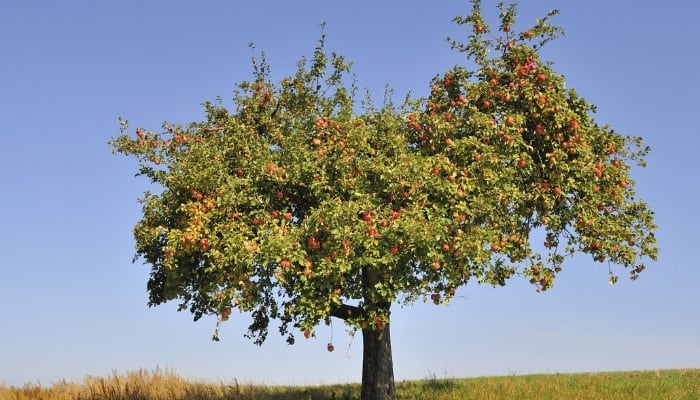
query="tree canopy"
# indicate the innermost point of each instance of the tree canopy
(305, 201)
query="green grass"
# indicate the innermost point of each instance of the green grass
(681, 384)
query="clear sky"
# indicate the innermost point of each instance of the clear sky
(72, 304)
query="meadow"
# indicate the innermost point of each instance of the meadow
(678, 384)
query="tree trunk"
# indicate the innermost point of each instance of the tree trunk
(377, 365)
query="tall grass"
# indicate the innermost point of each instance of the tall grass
(167, 385)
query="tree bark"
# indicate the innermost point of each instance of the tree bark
(377, 365)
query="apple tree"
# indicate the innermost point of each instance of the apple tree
(299, 205)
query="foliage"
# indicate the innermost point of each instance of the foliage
(305, 202)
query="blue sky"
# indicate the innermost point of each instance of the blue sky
(73, 304)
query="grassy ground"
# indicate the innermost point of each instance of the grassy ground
(166, 385)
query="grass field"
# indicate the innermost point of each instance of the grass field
(166, 385)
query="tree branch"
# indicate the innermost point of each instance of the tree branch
(345, 311)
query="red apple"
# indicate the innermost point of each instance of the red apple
(313, 242)
(378, 321)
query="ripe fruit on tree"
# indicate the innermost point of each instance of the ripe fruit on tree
(313, 242)
(435, 297)
(378, 321)
(373, 233)
(330, 347)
